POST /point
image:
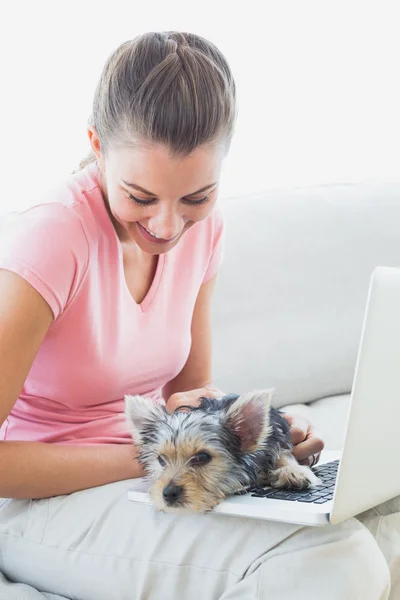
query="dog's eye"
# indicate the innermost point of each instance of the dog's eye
(202, 458)
(161, 460)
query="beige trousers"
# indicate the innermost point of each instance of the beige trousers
(96, 545)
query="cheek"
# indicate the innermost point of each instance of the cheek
(125, 210)
(199, 214)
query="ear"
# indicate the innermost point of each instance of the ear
(94, 140)
(139, 412)
(248, 418)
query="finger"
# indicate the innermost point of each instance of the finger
(311, 461)
(288, 418)
(306, 462)
(312, 445)
(192, 397)
(211, 391)
(178, 400)
(298, 428)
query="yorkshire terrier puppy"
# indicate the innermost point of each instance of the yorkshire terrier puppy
(194, 459)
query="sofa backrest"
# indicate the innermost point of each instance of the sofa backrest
(291, 294)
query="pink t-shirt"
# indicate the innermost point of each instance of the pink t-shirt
(101, 344)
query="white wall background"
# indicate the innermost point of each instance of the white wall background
(318, 86)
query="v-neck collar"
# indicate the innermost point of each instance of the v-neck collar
(155, 284)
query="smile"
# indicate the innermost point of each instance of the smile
(153, 234)
(154, 238)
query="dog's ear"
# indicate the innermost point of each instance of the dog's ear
(248, 418)
(141, 412)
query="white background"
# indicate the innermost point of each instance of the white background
(318, 85)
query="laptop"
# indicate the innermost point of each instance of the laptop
(366, 472)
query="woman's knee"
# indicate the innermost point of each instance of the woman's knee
(334, 563)
(369, 564)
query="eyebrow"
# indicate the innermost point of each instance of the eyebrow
(140, 189)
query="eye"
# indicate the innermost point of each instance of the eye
(141, 202)
(198, 202)
(161, 460)
(192, 202)
(200, 459)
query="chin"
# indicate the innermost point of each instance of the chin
(155, 249)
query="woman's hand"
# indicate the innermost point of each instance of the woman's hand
(192, 398)
(307, 442)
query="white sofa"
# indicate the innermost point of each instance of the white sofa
(290, 301)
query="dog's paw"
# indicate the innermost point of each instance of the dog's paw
(293, 476)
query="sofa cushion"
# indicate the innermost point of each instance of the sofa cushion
(290, 297)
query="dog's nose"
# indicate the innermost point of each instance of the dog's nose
(171, 493)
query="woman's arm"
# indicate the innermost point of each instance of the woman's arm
(38, 470)
(33, 469)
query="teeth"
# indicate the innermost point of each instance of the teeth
(153, 234)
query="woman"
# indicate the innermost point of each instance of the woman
(106, 291)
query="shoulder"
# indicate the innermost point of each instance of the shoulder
(47, 246)
(218, 224)
(62, 218)
(49, 226)
(209, 231)
(216, 220)
(51, 244)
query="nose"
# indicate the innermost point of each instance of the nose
(166, 223)
(172, 492)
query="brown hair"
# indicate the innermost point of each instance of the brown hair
(168, 87)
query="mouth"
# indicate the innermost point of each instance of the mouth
(153, 238)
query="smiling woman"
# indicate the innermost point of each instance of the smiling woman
(157, 220)
(104, 293)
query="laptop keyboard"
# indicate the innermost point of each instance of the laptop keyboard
(320, 494)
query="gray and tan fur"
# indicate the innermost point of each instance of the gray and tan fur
(195, 459)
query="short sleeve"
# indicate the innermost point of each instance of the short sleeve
(47, 246)
(217, 246)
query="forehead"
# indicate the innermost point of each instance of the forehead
(155, 169)
(187, 432)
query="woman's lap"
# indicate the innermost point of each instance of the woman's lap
(97, 544)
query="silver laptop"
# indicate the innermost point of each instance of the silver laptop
(367, 471)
